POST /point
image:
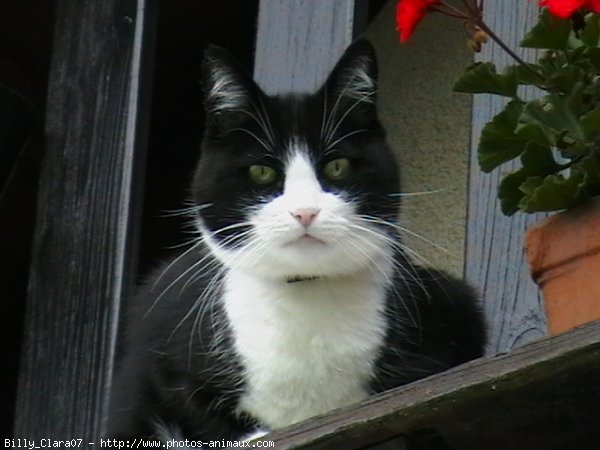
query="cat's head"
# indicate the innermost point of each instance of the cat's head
(299, 185)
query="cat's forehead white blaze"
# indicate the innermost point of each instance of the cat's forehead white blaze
(301, 186)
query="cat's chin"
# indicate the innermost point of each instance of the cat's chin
(314, 262)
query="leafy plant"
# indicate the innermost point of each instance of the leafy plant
(556, 136)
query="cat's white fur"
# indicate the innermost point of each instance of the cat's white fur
(308, 347)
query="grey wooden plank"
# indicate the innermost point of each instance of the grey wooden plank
(541, 396)
(299, 41)
(495, 260)
(83, 258)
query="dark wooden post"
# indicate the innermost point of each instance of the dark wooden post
(299, 41)
(495, 259)
(89, 200)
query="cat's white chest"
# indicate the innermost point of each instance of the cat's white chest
(307, 347)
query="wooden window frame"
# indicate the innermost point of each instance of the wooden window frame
(84, 264)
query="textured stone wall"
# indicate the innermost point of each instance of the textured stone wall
(428, 125)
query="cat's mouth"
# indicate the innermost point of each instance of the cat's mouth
(306, 239)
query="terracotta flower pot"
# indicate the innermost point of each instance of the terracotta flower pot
(564, 258)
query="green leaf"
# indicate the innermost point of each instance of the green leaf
(574, 101)
(551, 60)
(526, 76)
(482, 78)
(552, 193)
(550, 33)
(565, 78)
(593, 56)
(574, 42)
(590, 124)
(545, 120)
(538, 160)
(498, 142)
(589, 167)
(535, 133)
(590, 35)
(509, 193)
(593, 92)
(573, 150)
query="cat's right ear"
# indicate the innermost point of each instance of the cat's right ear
(228, 89)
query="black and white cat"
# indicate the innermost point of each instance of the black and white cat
(297, 296)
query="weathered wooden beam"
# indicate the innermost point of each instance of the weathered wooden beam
(298, 42)
(541, 396)
(89, 201)
(495, 260)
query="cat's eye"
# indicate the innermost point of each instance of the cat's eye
(262, 174)
(337, 169)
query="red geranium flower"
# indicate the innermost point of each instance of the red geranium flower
(566, 8)
(409, 13)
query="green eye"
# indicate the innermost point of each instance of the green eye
(337, 169)
(262, 174)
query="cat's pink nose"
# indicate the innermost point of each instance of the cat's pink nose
(305, 216)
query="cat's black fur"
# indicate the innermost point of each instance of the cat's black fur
(174, 373)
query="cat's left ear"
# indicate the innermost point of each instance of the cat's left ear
(354, 77)
(228, 89)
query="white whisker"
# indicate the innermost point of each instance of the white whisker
(190, 211)
(399, 227)
(364, 98)
(347, 135)
(264, 115)
(416, 194)
(259, 140)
